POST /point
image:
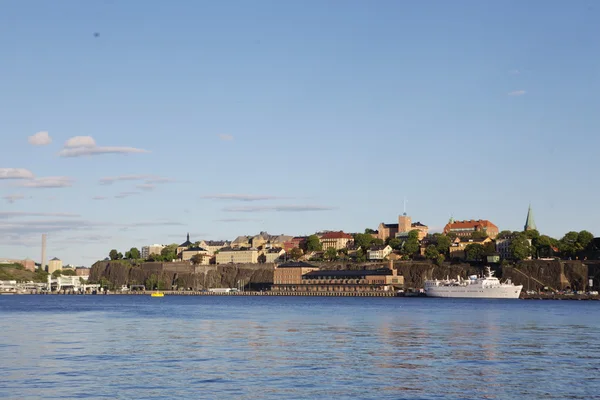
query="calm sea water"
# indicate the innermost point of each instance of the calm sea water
(124, 347)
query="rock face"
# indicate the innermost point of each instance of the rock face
(184, 275)
(532, 274)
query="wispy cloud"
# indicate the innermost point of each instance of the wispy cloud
(25, 214)
(145, 186)
(123, 195)
(228, 220)
(517, 93)
(40, 139)
(48, 182)
(155, 223)
(15, 173)
(514, 72)
(99, 198)
(225, 137)
(86, 146)
(148, 179)
(239, 197)
(280, 208)
(11, 198)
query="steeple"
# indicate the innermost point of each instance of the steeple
(188, 237)
(530, 223)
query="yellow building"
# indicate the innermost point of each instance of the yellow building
(54, 265)
(336, 240)
(229, 255)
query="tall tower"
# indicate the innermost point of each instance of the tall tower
(530, 223)
(43, 263)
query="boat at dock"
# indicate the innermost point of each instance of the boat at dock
(157, 294)
(481, 287)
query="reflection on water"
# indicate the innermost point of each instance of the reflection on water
(272, 348)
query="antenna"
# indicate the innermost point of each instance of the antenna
(405, 205)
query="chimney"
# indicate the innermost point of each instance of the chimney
(43, 263)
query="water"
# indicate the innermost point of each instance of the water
(123, 347)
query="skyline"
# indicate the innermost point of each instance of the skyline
(230, 119)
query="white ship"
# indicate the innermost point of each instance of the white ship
(487, 287)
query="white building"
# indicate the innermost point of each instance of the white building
(378, 253)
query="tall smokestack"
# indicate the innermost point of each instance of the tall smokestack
(43, 264)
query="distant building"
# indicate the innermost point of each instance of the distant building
(385, 231)
(154, 249)
(378, 253)
(291, 273)
(468, 227)
(187, 254)
(213, 246)
(237, 256)
(503, 247)
(457, 248)
(529, 222)
(82, 271)
(401, 229)
(336, 240)
(27, 263)
(273, 254)
(54, 265)
(185, 245)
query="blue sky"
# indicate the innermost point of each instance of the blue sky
(291, 117)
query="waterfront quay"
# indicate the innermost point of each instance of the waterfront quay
(524, 296)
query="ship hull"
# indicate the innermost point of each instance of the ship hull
(512, 292)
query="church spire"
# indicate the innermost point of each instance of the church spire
(188, 237)
(530, 223)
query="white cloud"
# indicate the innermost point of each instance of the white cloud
(24, 214)
(240, 197)
(280, 208)
(149, 179)
(514, 72)
(122, 195)
(517, 93)
(225, 137)
(86, 146)
(15, 173)
(99, 198)
(40, 139)
(11, 198)
(80, 141)
(48, 182)
(145, 186)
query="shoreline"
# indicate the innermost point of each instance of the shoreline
(578, 297)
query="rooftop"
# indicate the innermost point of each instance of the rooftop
(336, 235)
(296, 264)
(342, 273)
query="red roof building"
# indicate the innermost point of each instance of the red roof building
(466, 228)
(337, 240)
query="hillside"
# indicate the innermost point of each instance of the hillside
(16, 272)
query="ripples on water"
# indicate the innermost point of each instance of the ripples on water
(123, 347)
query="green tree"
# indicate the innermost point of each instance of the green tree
(479, 235)
(410, 247)
(363, 240)
(504, 235)
(134, 254)
(114, 254)
(57, 273)
(489, 249)
(431, 252)
(151, 282)
(331, 254)
(443, 243)
(440, 259)
(361, 255)
(395, 243)
(584, 238)
(519, 247)
(369, 231)
(532, 234)
(295, 253)
(169, 252)
(474, 252)
(40, 275)
(569, 245)
(377, 242)
(197, 259)
(262, 259)
(414, 234)
(543, 246)
(313, 243)
(68, 272)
